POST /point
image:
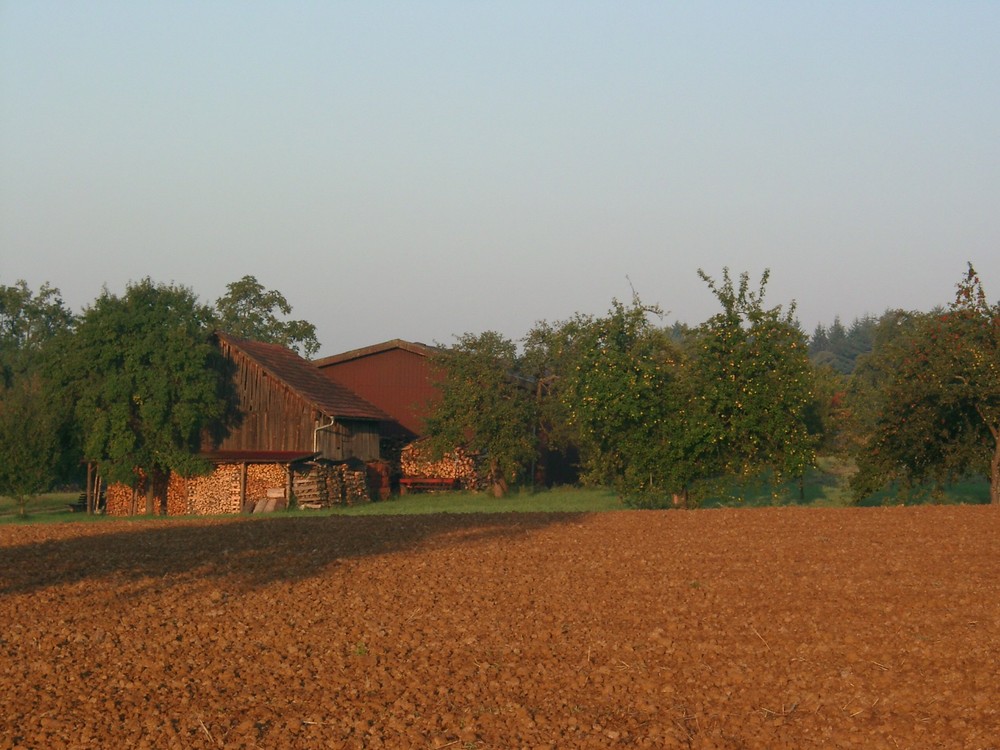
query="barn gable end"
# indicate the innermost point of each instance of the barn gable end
(397, 376)
(286, 404)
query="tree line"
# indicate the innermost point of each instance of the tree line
(664, 413)
(670, 414)
(133, 382)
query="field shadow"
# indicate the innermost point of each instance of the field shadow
(247, 553)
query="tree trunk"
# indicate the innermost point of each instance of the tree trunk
(995, 473)
(499, 487)
(497, 481)
(156, 492)
(150, 498)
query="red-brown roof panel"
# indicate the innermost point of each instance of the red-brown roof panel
(305, 379)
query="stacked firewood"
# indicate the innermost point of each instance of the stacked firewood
(216, 493)
(125, 500)
(120, 500)
(322, 485)
(179, 495)
(416, 460)
(309, 488)
(264, 481)
(219, 492)
(355, 486)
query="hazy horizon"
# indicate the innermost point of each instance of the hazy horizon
(421, 170)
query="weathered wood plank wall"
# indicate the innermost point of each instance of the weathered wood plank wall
(274, 418)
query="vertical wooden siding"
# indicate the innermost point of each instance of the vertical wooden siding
(349, 440)
(274, 418)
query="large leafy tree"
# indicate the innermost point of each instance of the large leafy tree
(147, 382)
(250, 311)
(752, 387)
(663, 412)
(936, 412)
(34, 445)
(624, 394)
(486, 406)
(28, 322)
(551, 353)
(30, 440)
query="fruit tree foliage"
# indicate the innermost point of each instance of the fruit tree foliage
(624, 393)
(486, 406)
(936, 412)
(752, 386)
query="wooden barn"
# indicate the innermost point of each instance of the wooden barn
(396, 376)
(399, 378)
(286, 404)
(298, 432)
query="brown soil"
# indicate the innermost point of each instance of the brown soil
(775, 628)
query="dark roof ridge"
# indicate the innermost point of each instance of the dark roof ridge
(305, 379)
(414, 347)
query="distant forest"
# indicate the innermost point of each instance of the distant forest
(840, 346)
(836, 345)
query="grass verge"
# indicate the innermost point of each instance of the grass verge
(824, 486)
(560, 499)
(48, 507)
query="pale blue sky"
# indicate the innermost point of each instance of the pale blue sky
(423, 169)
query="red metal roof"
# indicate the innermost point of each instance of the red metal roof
(305, 379)
(397, 376)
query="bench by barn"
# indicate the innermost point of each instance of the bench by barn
(418, 484)
(80, 506)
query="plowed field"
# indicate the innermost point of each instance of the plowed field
(773, 628)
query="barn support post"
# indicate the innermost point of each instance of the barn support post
(98, 489)
(90, 487)
(243, 487)
(288, 486)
